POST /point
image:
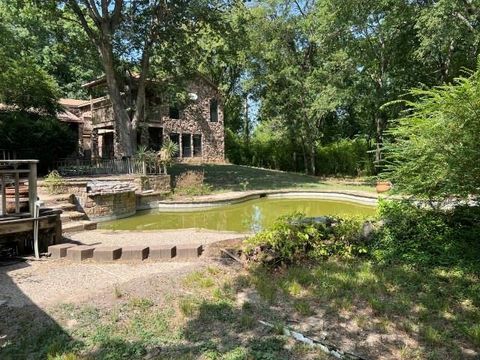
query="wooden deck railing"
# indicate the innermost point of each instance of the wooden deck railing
(79, 167)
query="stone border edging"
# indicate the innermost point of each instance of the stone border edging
(205, 204)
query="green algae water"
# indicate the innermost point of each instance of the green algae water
(249, 216)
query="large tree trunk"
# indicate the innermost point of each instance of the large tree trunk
(312, 159)
(140, 102)
(380, 125)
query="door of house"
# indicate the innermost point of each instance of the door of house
(107, 146)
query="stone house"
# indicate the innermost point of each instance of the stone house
(197, 126)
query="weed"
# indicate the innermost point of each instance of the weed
(199, 279)
(303, 308)
(188, 306)
(473, 333)
(117, 292)
(140, 303)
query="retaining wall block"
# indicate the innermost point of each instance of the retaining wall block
(189, 251)
(134, 252)
(80, 253)
(59, 251)
(107, 253)
(162, 252)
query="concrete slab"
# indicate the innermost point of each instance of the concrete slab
(79, 253)
(162, 252)
(59, 251)
(189, 251)
(107, 253)
(135, 252)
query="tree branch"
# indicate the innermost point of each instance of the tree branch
(83, 21)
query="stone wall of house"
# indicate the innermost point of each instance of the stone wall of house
(195, 120)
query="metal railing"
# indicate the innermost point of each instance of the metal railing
(7, 154)
(79, 167)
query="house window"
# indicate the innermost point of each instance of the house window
(197, 145)
(173, 112)
(186, 145)
(213, 110)
(175, 138)
(155, 135)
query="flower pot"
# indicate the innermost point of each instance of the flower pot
(22, 198)
(383, 186)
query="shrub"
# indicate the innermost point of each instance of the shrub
(55, 182)
(435, 152)
(424, 236)
(294, 238)
(192, 183)
(36, 136)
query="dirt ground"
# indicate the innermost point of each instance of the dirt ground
(47, 282)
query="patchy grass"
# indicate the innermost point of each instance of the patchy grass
(394, 312)
(220, 178)
(435, 312)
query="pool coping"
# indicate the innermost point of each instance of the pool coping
(196, 204)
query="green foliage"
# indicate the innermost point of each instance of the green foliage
(34, 136)
(55, 182)
(294, 238)
(191, 183)
(345, 157)
(435, 149)
(271, 148)
(424, 236)
(23, 83)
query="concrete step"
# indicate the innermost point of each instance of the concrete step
(77, 226)
(67, 216)
(107, 253)
(60, 250)
(186, 251)
(57, 198)
(80, 252)
(134, 252)
(103, 253)
(63, 206)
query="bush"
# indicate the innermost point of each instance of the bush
(424, 236)
(35, 136)
(191, 183)
(294, 238)
(435, 152)
(269, 149)
(345, 157)
(55, 182)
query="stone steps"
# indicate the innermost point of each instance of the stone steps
(68, 216)
(63, 206)
(77, 226)
(72, 219)
(101, 253)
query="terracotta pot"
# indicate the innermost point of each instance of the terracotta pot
(22, 190)
(23, 198)
(383, 186)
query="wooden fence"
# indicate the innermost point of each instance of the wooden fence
(78, 167)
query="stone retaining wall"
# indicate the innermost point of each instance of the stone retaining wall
(115, 197)
(109, 206)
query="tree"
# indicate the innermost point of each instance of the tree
(435, 153)
(132, 33)
(23, 83)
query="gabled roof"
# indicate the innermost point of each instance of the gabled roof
(63, 115)
(72, 102)
(102, 79)
(67, 116)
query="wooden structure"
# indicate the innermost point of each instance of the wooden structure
(16, 221)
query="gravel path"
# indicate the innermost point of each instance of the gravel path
(168, 237)
(49, 282)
